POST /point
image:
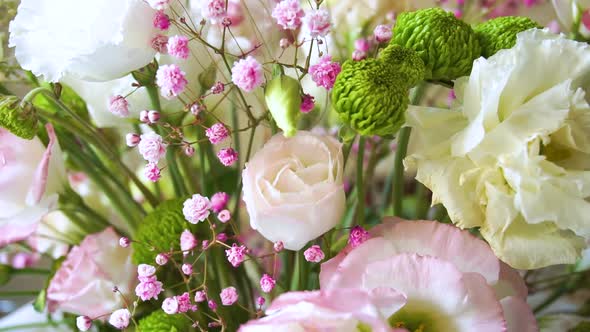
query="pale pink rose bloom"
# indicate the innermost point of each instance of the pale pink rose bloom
(31, 175)
(340, 310)
(293, 188)
(84, 283)
(439, 266)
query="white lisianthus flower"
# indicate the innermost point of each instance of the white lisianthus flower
(96, 40)
(293, 188)
(569, 12)
(514, 158)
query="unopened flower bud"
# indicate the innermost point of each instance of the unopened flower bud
(217, 88)
(161, 259)
(260, 301)
(358, 55)
(200, 296)
(124, 242)
(143, 116)
(189, 151)
(284, 102)
(226, 22)
(212, 305)
(83, 323)
(382, 33)
(284, 43)
(132, 139)
(153, 116)
(187, 269)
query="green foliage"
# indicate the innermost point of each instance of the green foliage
(283, 99)
(500, 33)
(19, 119)
(159, 321)
(582, 327)
(371, 96)
(446, 44)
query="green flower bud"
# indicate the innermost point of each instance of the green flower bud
(146, 76)
(161, 229)
(208, 76)
(159, 321)
(371, 96)
(18, 118)
(500, 33)
(283, 99)
(447, 45)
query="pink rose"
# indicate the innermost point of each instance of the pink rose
(84, 283)
(293, 188)
(31, 175)
(445, 274)
(341, 310)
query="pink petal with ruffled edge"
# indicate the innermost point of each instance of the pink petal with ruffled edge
(455, 300)
(40, 177)
(519, 315)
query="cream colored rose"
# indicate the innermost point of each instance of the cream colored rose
(293, 188)
(514, 158)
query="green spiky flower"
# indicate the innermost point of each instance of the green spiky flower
(500, 33)
(19, 119)
(447, 45)
(371, 96)
(161, 228)
(159, 321)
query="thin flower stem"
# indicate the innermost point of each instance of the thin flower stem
(360, 207)
(30, 270)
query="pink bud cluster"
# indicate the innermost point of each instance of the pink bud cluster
(149, 287)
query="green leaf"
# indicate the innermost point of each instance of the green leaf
(41, 300)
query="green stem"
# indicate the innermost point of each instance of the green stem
(296, 280)
(360, 208)
(30, 270)
(346, 151)
(19, 293)
(398, 170)
(421, 201)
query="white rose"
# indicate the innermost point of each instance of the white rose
(293, 188)
(96, 40)
(514, 159)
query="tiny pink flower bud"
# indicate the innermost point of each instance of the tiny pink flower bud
(197, 108)
(170, 305)
(307, 103)
(267, 283)
(161, 20)
(161, 259)
(200, 296)
(362, 45)
(187, 269)
(119, 106)
(226, 22)
(219, 201)
(358, 55)
(153, 116)
(132, 140)
(205, 244)
(227, 156)
(145, 270)
(222, 237)
(229, 296)
(143, 116)
(236, 254)
(160, 44)
(278, 246)
(314, 254)
(189, 151)
(152, 172)
(382, 33)
(124, 242)
(83, 323)
(458, 13)
(188, 241)
(217, 88)
(212, 305)
(358, 236)
(260, 301)
(217, 133)
(120, 318)
(224, 216)
(284, 43)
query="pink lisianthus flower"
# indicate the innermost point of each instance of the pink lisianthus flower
(84, 283)
(446, 276)
(341, 310)
(31, 175)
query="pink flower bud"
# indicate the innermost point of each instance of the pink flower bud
(227, 156)
(224, 216)
(362, 45)
(382, 33)
(119, 106)
(120, 318)
(267, 283)
(358, 55)
(143, 116)
(84, 323)
(188, 241)
(189, 151)
(229, 296)
(217, 88)
(260, 301)
(212, 305)
(161, 259)
(187, 269)
(278, 246)
(124, 242)
(284, 43)
(160, 44)
(200, 296)
(226, 22)
(170, 305)
(132, 140)
(161, 20)
(222, 237)
(314, 254)
(153, 116)
(152, 172)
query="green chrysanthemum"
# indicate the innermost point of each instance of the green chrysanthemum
(161, 229)
(21, 120)
(159, 321)
(372, 95)
(500, 33)
(447, 45)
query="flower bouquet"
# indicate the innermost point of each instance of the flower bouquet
(286, 165)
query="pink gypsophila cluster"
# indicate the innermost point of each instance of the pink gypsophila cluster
(314, 254)
(214, 10)
(160, 44)
(217, 133)
(358, 236)
(219, 201)
(119, 106)
(161, 21)
(236, 254)
(307, 103)
(152, 172)
(247, 74)
(317, 23)
(267, 283)
(229, 296)
(227, 156)
(152, 147)
(171, 80)
(288, 14)
(178, 47)
(120, 318)
(188, 241)
(196, 208)
(324, 72)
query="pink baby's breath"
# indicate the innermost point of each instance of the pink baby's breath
(227, 156)
(161, 20)
(171, 80)
(217, 133)
(236, 254)
(324, 72)
(178, 47)
(247, 74)
(317, 22)
(288, 14)
(314, 254)
(196, 208)
(229, 296)
(119, 106)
